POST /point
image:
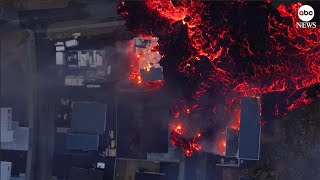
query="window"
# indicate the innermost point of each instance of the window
(9, 111)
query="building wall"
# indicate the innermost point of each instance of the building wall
(6, 121)
(5, 170)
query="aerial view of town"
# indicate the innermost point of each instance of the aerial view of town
(159, 90)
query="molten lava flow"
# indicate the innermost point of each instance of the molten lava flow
(178, 129)
(220, 57)
(302, 100)
(152, 85)
(188, 145)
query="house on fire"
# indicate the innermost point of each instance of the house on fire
(244, 143)
(149, 57)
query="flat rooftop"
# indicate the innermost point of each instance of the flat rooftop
(88, 118)
(20, 140)
(249, 136)
(82, 141)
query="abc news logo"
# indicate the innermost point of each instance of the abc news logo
(305, 14)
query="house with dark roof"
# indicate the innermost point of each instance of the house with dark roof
(87, 123)
(244, 143)
(88, 118)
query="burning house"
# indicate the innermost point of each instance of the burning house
(148, 56)
(218, 57)
(244, 143)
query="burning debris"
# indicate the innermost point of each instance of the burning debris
(188, 145)
(148, 57)
(224, 57)
(145, 69)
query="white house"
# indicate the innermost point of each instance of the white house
(5, 170)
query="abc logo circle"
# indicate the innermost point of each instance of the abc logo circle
(305, 13)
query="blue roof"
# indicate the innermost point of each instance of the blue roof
(249, 136)
(82, 141)
(88, 118)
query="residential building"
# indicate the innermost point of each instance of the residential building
(88, 118)
(5, 170)
(250, 129)
(13, 137)
(244, 143)
(149, 57)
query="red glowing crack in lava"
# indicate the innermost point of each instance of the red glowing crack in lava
(290, 63)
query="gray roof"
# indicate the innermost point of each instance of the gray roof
(249, 137)
(88, 118)
(82, 141)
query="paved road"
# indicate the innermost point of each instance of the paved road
(44, 122)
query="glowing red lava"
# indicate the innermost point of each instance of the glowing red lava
(288, 63)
